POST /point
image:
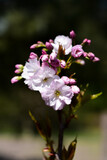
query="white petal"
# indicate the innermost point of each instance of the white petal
(65, 99)
(68, 50)
(59, 105)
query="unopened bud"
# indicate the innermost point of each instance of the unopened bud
(75, 89)
(54, 63)
(72, 81)
(15, 79)
(17, 71)
(39, 42)
(32, 55)
(33, 46)
(53, 56)
(72, 34)
(50, 41)
(96, 59)
(86, 41)
(43, 52)
(49, 46)
(84, 54)
(65, 79)
(62, 64)
(80, 61)
(91, 55)
(46, 149)
(19, 66)
(44, 57)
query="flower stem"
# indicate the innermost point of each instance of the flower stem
(60, 137)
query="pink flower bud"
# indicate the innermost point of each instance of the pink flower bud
(75, 89)
(39, 42)
(72, 34)
(84, 54)
(53, 56)
(51, 41)
(80, 61)
(33, 46)
(65, 79)
(62, 64)
(32, 55)
(72, 81)
(17, 71)
(86, 41)
(54, 63)
(43, 51)
(49, 46)
(44, 57)
(15, 79)
(46, 149)
(96, 59)
(91, 55)
(18, 66)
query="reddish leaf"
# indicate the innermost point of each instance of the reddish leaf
(64, 154)
(38, 126)
(71, 150)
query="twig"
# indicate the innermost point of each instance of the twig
(60, 138)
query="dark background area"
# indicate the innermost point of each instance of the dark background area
(23, 23)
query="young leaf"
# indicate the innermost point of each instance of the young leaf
(71, 149)
(38, 126)
(64, 154)
(82, 98)
(94, 96)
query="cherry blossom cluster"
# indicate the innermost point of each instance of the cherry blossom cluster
(44, 73)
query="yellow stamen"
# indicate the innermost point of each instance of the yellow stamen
(45, 79)
(57, 93)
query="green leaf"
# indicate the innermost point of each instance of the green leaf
(71, 149)
(83, 98)
(94, 96)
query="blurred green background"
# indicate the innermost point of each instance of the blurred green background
(23, 23)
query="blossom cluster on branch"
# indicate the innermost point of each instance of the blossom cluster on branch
(43, 73)
(50, 73)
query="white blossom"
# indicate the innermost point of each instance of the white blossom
(44, 78)
(64, 41)
(31, 68)
(57, 95)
